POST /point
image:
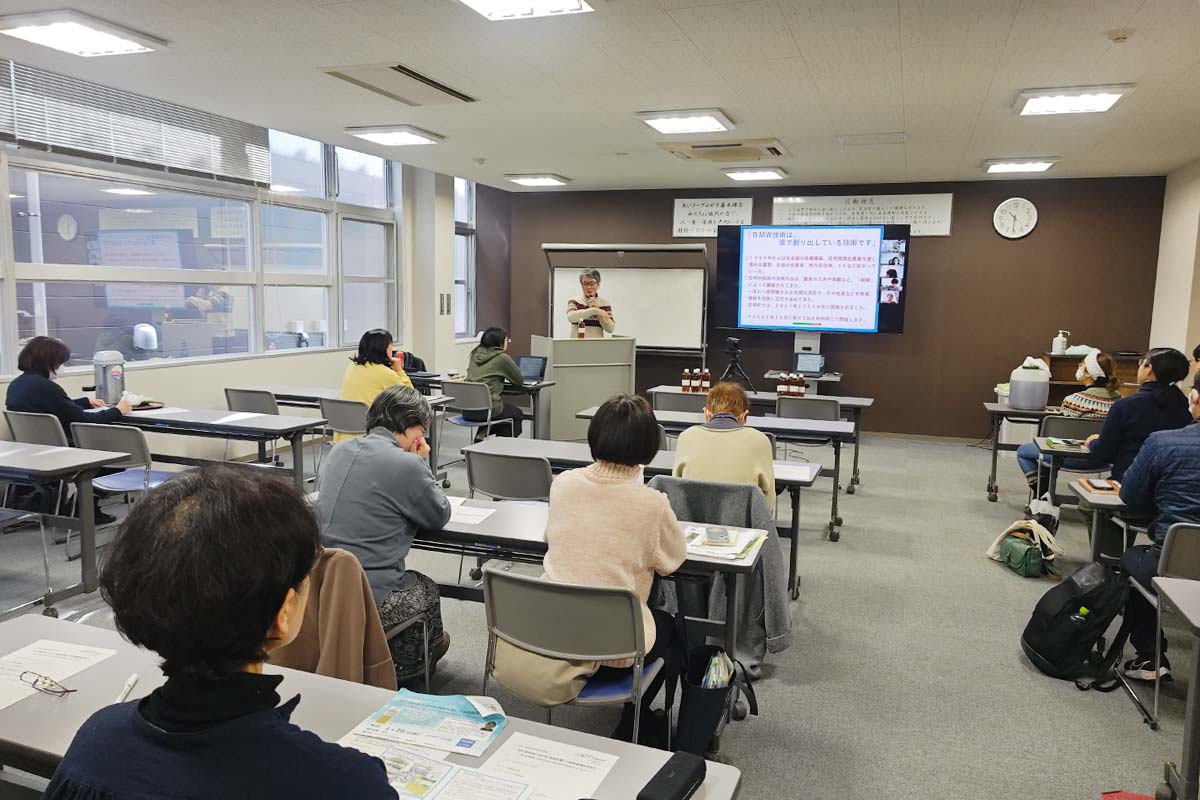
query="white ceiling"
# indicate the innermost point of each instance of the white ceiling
(559, 95)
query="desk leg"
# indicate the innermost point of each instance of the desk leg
(834, 520)
(992, 488)
(1190, 779)
(1096, 550)
(541, 414)
(794, 566)
(434, 444)
(297, 440)
(1055, 465)
(87, 531)
(854, 479)
(733, 591)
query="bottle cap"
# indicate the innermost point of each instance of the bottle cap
(1084, 611)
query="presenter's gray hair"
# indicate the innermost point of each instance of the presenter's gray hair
(594, 274)
(398, 408)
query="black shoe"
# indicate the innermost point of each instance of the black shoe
(1141, 668)
(103, 518)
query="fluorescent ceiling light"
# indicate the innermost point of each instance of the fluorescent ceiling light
(542, 179)
(1007, 165)
(500, 10)
(138, 211)
(78, 34)
(755, 173)
(696, 120)
(127, 191)
(283, 188)
(395, 135)
(1071, 99)
(16, 196)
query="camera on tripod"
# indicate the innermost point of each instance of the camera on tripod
(733, 346)
(734, 372)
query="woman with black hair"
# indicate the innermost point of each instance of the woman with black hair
(1157, 405)
(490, 364)
(373, 369)
(210, 571)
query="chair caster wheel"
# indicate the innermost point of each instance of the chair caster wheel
(834, 534)
(739, 711)
(850, 489)
(50, 612)
(1164, 792)
(838, 521)
(476, 574)
(992, 496)
(446, 483)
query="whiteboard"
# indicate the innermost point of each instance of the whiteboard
(660, 307)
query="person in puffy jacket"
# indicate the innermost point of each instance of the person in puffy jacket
(1163, 476)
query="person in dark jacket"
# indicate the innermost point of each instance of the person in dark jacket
(1164, 477)
(1156, 406)
(490, 364)
(210, 571)
(34, 390)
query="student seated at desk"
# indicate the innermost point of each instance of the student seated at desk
(606, 528)
(490, 364)
(1157, 405)
(210, 571)
(374, 369)
(1098, 372)
(1164, 476)
(375, 493)
(723, 449)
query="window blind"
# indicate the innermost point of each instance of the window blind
(63, 112)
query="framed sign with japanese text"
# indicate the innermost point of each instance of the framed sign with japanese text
(926, 214)
(700, 216)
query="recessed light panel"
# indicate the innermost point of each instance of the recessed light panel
(543, 179)
(501, 10)
(282, 188)
(697, 120)
(1071, 99)
(755, 174)
(77, 34)
(996, 166)
(127, 191)
(395, 135)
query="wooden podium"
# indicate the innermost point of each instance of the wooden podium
(586, 372)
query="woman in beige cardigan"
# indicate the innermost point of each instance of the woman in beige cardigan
(606, 528)
(723, 449)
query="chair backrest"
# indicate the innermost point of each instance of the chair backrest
(467, 395)
(344, 416)
(29, 428)
(115, 439)
(715, 503)
(1069, 427)
(1181, 552)
(253, 401)
(821, 408)
(678, 401)
(589, 623)
(662, 437)
(509, 477)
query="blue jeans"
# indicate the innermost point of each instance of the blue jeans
(1027, 457)
(1140, 562)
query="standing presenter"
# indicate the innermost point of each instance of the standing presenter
(591, 309)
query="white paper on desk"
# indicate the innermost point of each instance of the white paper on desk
(241, 416)
(739, 541)
(470, 515)
(56, 660)
(557, 771)
(159, 412)
(455, 502)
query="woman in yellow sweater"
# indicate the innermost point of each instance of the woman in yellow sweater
(723, 449)
(374, 369)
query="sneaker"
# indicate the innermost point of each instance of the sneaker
(1142, 669)
(103, 518)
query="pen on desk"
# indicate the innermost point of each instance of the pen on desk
(127, 688)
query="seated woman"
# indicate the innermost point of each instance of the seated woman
(1157, 405)
(723, 449)
(490, 364)
(606, 528)
(1098, 372)
(374, 369)
(210, 571)
(375, 493)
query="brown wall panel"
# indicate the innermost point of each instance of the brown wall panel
(978, 304)
(493, 256)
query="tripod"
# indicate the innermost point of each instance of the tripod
(735, 371)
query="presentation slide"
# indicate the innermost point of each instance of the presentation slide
(813, 278)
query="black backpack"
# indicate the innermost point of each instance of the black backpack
(1060, 640)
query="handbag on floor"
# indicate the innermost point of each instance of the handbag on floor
(701, 709)
(1027, 548)
(1066, 629)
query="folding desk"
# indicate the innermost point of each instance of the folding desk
(539, 398)
(1183, 597)
(999, 412)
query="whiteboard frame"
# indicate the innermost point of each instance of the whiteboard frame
(550, 248)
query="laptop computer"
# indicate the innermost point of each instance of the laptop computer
(533, 368)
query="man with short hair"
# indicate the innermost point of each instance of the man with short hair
(593, 311)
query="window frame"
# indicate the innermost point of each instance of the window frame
(391, 280)
(467, 229)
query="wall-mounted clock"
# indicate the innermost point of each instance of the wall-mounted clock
(1015, 218)
(68, 227)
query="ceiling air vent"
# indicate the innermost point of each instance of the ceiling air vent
(400, 83)
(727, 152)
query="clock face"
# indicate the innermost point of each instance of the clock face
(1014, 218)
(68, 227)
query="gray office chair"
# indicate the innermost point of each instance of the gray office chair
(677, 401)
(252, 401)
(341, 416)
(465, 397)
(818, 408)
(508, 477)
(664, 441)
(1070, 428)
(138, 474)
(1180, 559)
(589, 623)
(42, 429)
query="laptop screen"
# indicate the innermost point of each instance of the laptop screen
(533, 368)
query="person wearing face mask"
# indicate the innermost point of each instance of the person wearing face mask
(593, 311)
(1162, 477)
(1097, 372)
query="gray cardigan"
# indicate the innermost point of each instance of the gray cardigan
(373, 499)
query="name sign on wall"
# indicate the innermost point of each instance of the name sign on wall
(927, 214)
(700, 216)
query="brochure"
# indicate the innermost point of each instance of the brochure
(453, 724)
(741, 542)
(419, 777)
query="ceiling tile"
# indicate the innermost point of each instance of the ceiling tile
(738, 32)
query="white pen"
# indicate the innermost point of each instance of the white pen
(127, 688)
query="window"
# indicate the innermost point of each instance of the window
(294, 240)
(464, 258)
(295, 316)
(297, 166)
(368, 278)
(62, 219)
(361, 179)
